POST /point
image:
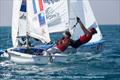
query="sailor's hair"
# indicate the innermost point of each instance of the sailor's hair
(68, 33)
(93, 30)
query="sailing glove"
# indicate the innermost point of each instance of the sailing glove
(78, 19)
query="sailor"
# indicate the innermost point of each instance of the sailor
(59, 47)
(61, 44)
(21, 41)
(24, 41)
(88, 33)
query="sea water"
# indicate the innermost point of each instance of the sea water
(106, 66)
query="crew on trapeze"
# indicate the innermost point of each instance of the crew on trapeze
(63, 43)
(88, 33)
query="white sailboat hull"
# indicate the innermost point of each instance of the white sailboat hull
(23, 58)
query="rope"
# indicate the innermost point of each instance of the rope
(74, 25)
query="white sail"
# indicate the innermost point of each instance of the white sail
(22, 19)
(57, 15)
(15, 21)
(90, 21)
(37, 20)
(82, 9)
(75, 9)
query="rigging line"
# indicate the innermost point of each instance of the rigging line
(68, 9)
(74, 25)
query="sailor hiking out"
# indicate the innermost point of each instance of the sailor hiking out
(88, 33)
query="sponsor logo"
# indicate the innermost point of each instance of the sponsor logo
(51, 1)
(50, 14)
(23, 16)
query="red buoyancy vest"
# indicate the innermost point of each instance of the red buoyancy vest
(85, 38)
(62, 44)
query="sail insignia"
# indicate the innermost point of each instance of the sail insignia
(38, 27)
(23, 6)
(40, 11)
(34, 6)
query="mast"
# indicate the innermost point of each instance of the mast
(27, 32)
(68, 12)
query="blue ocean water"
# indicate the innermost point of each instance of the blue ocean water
(106, 66)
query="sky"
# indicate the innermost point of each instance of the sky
(106, 11)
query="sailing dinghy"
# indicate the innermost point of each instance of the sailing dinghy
(38, 19)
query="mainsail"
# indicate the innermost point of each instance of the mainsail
(37, 23)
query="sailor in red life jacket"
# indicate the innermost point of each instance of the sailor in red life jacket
(61, 44)
(88, 33)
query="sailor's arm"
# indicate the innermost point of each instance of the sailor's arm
(82, 26)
